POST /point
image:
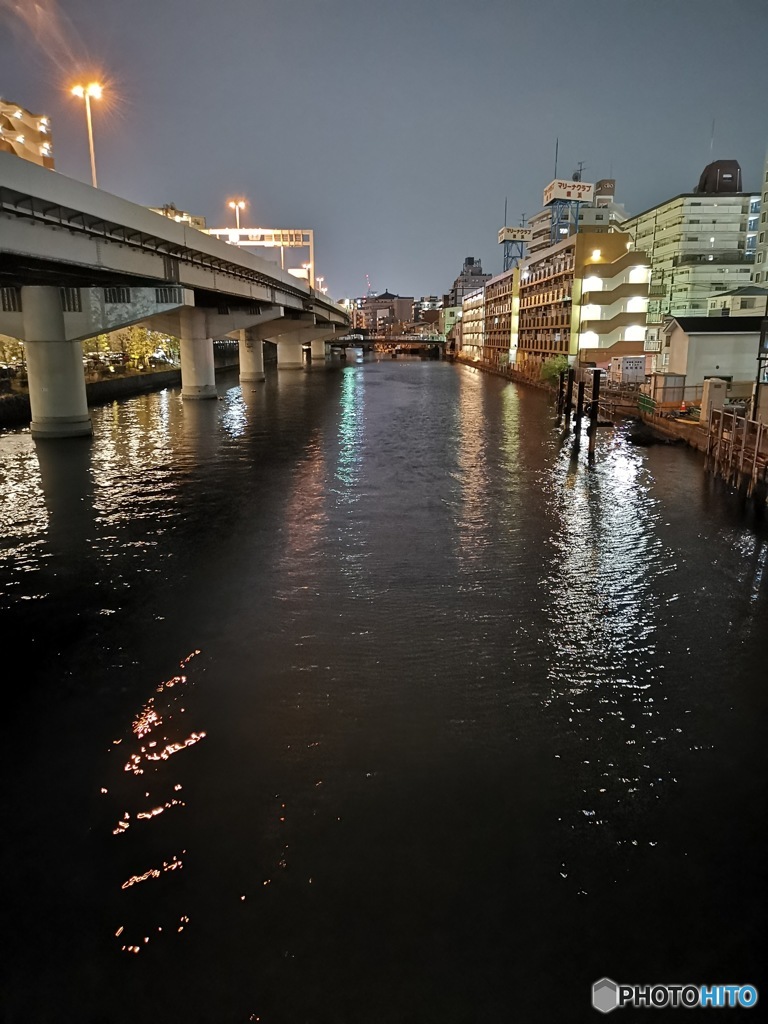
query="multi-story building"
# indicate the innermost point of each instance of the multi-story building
(469, 280)
(584, 297)
(25, 134)
(751, 300)
(375, 313)
(473, 325)
(497, 340)
(603, 214)
(426, 304)
(698, 244)
(448, 317)
(759, 221)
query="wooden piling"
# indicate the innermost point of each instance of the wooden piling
(569, 398)
(579, 412)
(594, 412)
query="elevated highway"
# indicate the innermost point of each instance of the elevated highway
(76, 262)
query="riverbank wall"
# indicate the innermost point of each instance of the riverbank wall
(15, 410)
(691, 433)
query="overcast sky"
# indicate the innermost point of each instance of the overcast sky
(394, 129)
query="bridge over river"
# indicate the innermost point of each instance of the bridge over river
(76, 262)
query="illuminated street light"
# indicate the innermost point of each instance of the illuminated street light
(237, 205)
(85, 92)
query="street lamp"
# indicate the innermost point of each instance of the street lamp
(85, 92)
(237, 205)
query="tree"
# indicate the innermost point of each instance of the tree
(552, 368)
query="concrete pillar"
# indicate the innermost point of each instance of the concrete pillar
(318, 349)
(54, 367)
(290, 353)
(198, 377)
(251, 356)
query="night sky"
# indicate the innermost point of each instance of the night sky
(394, 129)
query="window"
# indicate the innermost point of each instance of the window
(70, 300)
(10, 300)
(115, 295)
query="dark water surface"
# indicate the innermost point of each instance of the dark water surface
(354, 698)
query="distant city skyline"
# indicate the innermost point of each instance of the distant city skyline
(395, 132)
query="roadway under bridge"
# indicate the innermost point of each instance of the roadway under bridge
(76, 262)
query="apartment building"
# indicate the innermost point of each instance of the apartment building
(469, 280)
(497, 318)
(752, 300)
(698, 244)
(473, 325)
(760, 224)
(585, 297)
(25, 134)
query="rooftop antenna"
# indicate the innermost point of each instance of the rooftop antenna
(557, 143)
(712, 141)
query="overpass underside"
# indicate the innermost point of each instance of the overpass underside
(76, 262)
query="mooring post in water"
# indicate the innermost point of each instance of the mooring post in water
(560, 397)
(579, 412)
(569, 399)
(593, 412)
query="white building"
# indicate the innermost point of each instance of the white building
(710, 346)
(697, 244)
(760, 273)
(751, 300)
(473, 325)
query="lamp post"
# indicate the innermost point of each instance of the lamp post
(237, 205)
(85, 92)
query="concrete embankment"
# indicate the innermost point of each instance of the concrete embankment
(663, 429)
(15, 409)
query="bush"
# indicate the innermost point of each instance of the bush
(552, 368)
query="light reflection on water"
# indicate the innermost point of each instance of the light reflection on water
(453, 690)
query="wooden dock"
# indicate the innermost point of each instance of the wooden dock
(737, 452)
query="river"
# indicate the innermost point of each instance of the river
(356, 696)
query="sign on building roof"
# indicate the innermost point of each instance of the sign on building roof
(569, 191)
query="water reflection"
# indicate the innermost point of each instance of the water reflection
(455, 684)
(143, 785)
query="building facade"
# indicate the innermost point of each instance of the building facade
(752, 300)
(25, 134)
(760, 273)
(497, 340)
(469, 280)
(698, 244)
(377, 313)
(585, 298)
(603, 214)
(473, 325)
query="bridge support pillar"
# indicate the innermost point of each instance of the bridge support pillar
(318, 349)
(54, 367)
(198, 376)
(251, 356)
(290, 354)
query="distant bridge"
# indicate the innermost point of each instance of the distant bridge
(76, 262)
